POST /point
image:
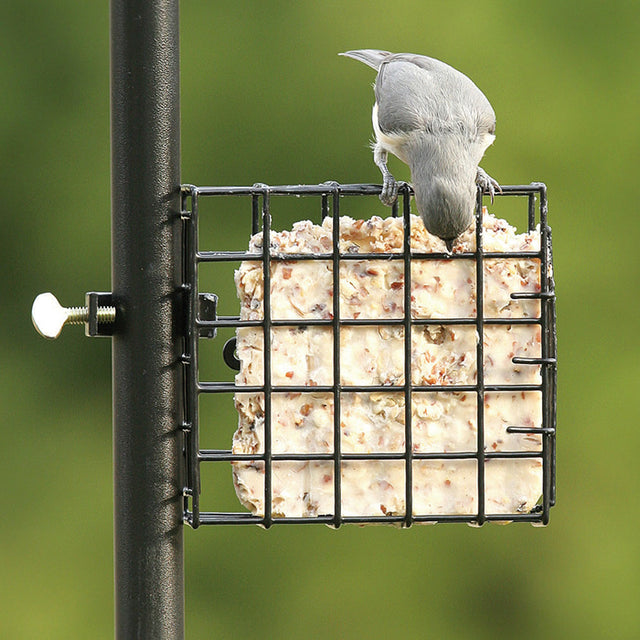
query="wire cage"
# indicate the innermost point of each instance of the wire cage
(202, 322)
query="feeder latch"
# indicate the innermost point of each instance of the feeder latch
(99, 316)
(207, 317)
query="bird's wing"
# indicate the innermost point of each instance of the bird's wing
(415, 92)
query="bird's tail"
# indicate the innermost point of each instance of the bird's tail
(372, 57)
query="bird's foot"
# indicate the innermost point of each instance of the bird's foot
(488, 184)
(389, 193)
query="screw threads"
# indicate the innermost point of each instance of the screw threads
(77, 315)
(80, 315)
(106, 315)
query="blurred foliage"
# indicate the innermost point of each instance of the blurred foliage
(266, 98)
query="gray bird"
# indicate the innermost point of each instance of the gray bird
(435, 119)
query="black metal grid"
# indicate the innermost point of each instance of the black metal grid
(201, 321)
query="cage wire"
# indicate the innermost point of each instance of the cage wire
(203, 322)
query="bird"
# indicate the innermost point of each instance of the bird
(436, 120)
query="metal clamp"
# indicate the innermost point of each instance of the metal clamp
(98, 315)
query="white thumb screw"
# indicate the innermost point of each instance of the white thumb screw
(49, 316)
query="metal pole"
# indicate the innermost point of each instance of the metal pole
(145, 140)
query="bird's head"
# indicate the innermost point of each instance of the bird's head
(446, 205)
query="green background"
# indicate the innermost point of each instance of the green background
(266, 98)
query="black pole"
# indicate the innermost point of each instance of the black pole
(145, 140)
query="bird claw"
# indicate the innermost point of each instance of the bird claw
(487, 183)
(389, 193)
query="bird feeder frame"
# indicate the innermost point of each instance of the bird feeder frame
(202, 322)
